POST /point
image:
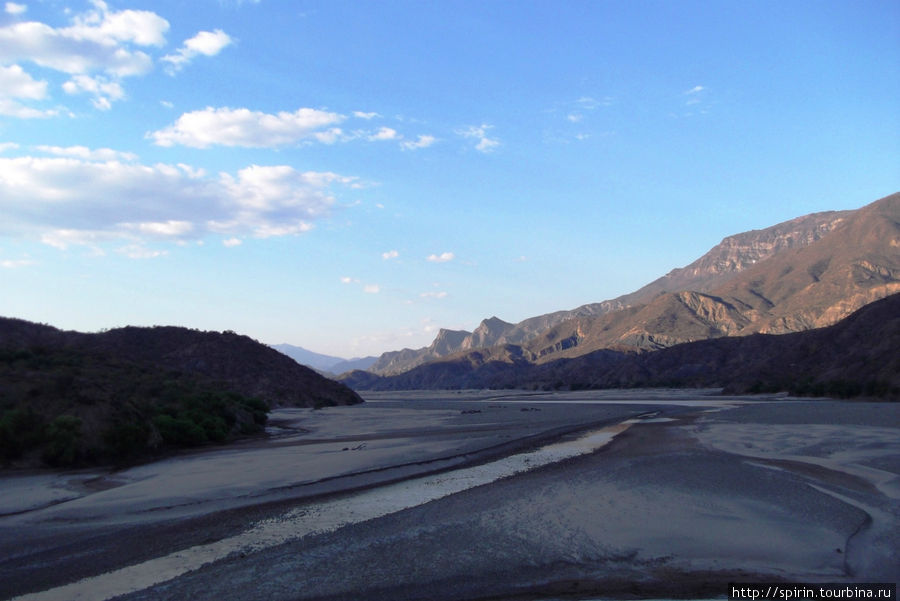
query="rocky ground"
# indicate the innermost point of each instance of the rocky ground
(686, 498)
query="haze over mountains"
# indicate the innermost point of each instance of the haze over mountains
(805, 273)
(326, 364)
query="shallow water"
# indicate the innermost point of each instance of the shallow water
(323, 517)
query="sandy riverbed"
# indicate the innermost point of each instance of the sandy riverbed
(727, 490)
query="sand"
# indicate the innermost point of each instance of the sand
(728, 489)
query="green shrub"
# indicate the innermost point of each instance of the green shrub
(179, 431)
(63, 441)
(20, 430)
(126, 441)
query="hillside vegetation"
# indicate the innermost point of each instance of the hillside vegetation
(68, 398)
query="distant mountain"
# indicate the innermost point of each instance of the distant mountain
(731, 256)
(68, 398)
(325, 364)
(311, 359)
(858, 356)
(804, 273)
(351, 364)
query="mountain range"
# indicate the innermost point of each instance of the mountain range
(858, 356)
(806, 273)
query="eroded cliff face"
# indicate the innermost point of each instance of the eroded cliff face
(737, 253)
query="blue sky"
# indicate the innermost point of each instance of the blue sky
(351, 176)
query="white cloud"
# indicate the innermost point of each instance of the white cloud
(17, 85)
(391, 254)
(421, 142)
(102, 88)
(441, 258)
(371, 288)
(207, 43)
(695, 90)
(4, 146)
(83, 152)
(441, 294)
(362, 115)
(98, 40)
(90, 197)
(96, 49)
(232, 242)
(243, 127)
(385, 133)
(349, 280)
(485, 144)
(15, 9)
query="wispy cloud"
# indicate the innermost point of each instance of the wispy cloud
(205, 43)
(364, 115)
(441, 258)
(371, 288)
(694, 90)
(436, 295)
(423, 141)
(15, 263)
(479, 133)
(103, 89)
(391, 254)
(83, 152)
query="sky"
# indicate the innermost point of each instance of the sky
(350, 177)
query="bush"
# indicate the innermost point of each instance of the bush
(179, 431)
(63, 441)
(20, 430)
(126, 441)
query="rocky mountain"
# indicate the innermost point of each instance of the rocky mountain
(858, 356)
(731, 256)
(808, 285)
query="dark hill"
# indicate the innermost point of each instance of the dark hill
(68, 398)
(238, 362)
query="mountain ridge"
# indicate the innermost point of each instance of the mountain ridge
(804, 273)
(732, 255)
(857, 356)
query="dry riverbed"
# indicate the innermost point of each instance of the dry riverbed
(481, 495)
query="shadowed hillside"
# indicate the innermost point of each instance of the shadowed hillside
(68, 398)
